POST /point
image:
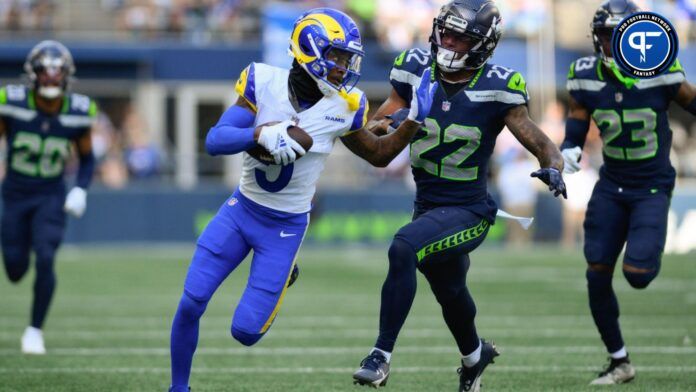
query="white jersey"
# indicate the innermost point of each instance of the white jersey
(291, 188)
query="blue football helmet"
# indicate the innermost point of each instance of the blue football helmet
(606, 18)
(323, 39)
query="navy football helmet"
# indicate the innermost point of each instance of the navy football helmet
(477, 21)
(50, 69)
(606, 18)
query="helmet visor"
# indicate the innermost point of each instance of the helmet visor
(344, 64)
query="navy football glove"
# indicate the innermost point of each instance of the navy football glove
(397, 118)
(553, 178)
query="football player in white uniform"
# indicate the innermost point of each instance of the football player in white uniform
(269, 212)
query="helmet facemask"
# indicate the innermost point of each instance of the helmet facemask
(49, 68)
(476, 48)
(322, 57)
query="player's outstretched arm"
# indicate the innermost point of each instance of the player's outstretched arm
(380, 150)
(380, 123)
(577, 125)
(686, 97)
(535, 141)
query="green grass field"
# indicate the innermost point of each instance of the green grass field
(109, 327)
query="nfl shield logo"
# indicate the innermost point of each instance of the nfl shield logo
(619, 97)
(232, 201)
(446, 105)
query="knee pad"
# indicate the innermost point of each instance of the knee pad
(190, 307)
(640, 280)
(245, 338)
(402, 257)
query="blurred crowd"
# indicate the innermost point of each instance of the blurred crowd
(396, 24)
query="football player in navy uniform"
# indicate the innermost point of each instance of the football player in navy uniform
(41, 122)
(630, 202)
(450, 155)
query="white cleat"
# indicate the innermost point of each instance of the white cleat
(32, 342)
(618, 372)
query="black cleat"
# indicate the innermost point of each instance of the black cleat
(293, 275)
(373, 372)
(470, 377)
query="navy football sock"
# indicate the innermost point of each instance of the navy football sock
(184, 338)
(448, 282)
(398, 292)
(44, 286)
(605, 308)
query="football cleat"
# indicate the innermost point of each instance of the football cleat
(619, 371)
(294, 275)
(374, 370)
(32, 342)
(470, 377)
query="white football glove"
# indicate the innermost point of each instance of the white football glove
(571, 159)
(276, 140)
(76, 202)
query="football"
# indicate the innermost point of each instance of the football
(297, 133)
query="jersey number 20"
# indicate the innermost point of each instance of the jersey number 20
(34, 156)
(448, 167)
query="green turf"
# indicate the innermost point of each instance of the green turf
(109, 327)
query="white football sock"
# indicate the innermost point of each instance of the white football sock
(386, 354)
(473, 358)
(620, 354)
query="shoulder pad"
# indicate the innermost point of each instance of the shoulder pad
(676, 67)
(409, 65)
(675, 75)
(585, 68)
(495, 83)
(13, 94)
(246, 85)
(362, 107)
(79, 104)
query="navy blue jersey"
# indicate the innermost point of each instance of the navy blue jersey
(39, 144)
(632, 119)
(451, 152)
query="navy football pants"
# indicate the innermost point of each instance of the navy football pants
(437, 242)
(33, 222)
(617, 216)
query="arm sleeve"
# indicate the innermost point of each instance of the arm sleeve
(85, 171)
(576, 133)
(233, 133)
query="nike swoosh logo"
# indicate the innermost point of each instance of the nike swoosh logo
(283, 234)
